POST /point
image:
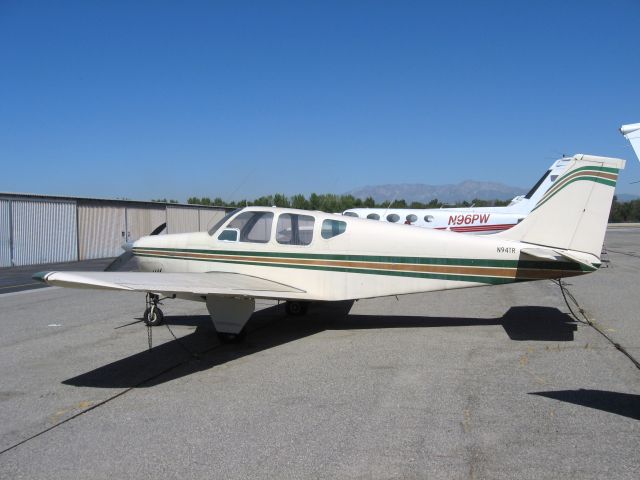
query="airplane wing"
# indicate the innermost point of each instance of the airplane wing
(210, 283)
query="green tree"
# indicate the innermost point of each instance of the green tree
(299, 201)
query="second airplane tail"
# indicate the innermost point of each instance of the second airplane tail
(573, 213)
(632, 133)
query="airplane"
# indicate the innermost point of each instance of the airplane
(473, 220)
(632, 133)
(304, 256)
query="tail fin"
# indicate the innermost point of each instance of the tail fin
(632, 133)
(573, 214)
(527, 202)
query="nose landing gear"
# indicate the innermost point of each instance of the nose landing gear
(153, 316)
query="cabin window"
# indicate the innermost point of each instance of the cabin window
(294, 229)
(412, 218)
(428, 218)
(333, 228)
(393, 217)
(373, 216)
(254, 227)
(351, 214)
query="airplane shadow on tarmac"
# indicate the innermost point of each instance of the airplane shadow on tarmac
(625, 404)
(271, 327)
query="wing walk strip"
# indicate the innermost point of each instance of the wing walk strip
(604, 175)
(485, 271)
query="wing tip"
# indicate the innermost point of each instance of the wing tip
(41, 276)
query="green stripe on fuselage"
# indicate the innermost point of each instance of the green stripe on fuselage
(464, 262)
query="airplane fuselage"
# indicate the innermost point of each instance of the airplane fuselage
(409, 259)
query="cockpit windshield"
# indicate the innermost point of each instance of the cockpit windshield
(537, 185)
(222, 221)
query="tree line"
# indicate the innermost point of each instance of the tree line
(330, 202)
(625, 211)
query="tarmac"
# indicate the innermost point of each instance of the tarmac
(494, 382)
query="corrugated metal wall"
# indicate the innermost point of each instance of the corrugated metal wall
(5, 234)
(182, 220)
(208, 218)
(50, 230)
(101, 231)
(142, 221)
(44, 232)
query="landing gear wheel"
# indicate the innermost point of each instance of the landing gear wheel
(231, 337)
(153, 319)
(296, 309)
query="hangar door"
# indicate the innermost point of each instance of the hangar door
(5, 234)
(143, 221)
(43, 232)
(101, 231)
(182, 220)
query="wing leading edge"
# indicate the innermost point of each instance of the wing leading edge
(212, 283)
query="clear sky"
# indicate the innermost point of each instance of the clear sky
(238, 99)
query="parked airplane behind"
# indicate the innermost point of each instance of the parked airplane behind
(479, 220)
(303, 256)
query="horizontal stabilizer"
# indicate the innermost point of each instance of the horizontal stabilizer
(541, 253)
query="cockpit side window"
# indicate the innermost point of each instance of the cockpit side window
(333, 228)
(254, 227)
(293, 229)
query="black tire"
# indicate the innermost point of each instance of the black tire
(157, 319)
(231, 337)
(296, 309)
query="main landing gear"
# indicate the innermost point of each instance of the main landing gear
(296, 308)
(153, 316)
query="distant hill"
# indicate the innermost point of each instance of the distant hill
(420, 192)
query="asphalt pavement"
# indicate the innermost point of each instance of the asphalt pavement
(494, 382)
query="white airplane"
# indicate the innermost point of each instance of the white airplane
(478, 220)
(302, 256)
(632, 133)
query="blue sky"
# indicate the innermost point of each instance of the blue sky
(238, 99)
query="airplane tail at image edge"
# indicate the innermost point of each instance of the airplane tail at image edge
(632, 133)
(573, 214)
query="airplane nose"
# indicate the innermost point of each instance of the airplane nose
(128, 246)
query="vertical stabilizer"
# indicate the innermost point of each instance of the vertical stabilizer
(632, 133)
(527, 202)
(573, 213)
